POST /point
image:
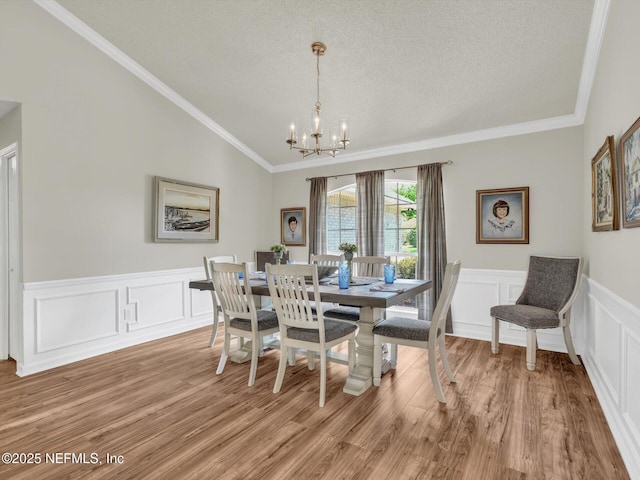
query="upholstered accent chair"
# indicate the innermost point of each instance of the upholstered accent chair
(241, 318)
(217, 309)
(299, 326)
(551, 288)
(420, 333)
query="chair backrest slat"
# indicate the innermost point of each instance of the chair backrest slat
(234, 293)
(369, 266)
(288, 289)
(326, 260)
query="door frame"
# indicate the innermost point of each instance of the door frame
(10, 268)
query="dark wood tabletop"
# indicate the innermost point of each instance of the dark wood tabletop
(356, 296)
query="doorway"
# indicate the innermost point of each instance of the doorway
(9, 252)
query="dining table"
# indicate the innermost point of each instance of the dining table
(372, 295)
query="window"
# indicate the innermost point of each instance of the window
(399, 223)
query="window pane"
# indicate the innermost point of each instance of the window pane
(348, 236)
(348, 197)
(333, 240)
(348, 218)
(391, 241)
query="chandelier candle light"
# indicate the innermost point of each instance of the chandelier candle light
(337, 141)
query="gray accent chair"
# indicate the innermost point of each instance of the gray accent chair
(299, 327)
(217, 308)
(549, 292)
(241, 318)
(420, 333)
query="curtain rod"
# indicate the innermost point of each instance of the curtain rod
(450, 162)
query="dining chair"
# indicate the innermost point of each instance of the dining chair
(241, 318)
(545, 302)
(420, 333)
(366, 266)
(299, 327)
(217, 309)
(326, 260)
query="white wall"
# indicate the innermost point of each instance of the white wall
(93, 138)
(614, 259)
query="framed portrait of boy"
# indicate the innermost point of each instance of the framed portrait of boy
(293, 227)
(502, 215)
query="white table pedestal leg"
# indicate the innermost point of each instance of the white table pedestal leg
(361, 378)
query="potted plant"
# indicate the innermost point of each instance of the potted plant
(278, 249)
(348, 249)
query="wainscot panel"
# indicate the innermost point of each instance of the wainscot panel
(612, 357)
(69, 320)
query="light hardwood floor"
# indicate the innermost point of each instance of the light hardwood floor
(163, 409)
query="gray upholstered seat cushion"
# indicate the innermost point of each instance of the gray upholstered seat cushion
(332, 330)
(324, 305)
(406, 328)
(343, 313)
(267, 319)
(526, 316)
(550, 282)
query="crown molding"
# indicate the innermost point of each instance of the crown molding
(524, 128)
(82, 29)
(591, 56)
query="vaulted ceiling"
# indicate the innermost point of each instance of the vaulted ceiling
(410, 74)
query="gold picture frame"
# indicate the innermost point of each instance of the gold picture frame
(604, 189)
(629, 153)
(293, 226)
(502, 215)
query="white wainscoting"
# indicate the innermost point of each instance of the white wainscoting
(612, 359)
(69, 320)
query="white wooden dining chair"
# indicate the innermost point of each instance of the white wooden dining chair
(420, 333)
(241, 318)
(299, 327)
(326, 260)
(217, 309)
(367, 266)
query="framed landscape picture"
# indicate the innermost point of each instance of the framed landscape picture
(502, 215)
(185, 212)
(604, 188)
(293, 228)
(629, 153)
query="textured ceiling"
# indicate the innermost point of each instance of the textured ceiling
(404, 71)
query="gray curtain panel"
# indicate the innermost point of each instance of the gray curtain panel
(370, 213)
(432, 243)
(318, 216)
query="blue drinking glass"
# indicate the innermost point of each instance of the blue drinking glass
(389, 273)
(343, 275)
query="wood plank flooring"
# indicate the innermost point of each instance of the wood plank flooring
(161, 407)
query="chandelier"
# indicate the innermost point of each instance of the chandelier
(310, 144)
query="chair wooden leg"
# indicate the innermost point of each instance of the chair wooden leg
(225, 353)
(323, 376)
(311, 359)
(291, 356)
(282, 365)
(569, 343)
(377, 360)
(495, 335)
(434, 376)
(532, 346)
(214, 333)
(445, 360)
(256, 348)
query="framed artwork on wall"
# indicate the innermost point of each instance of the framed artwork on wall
(185, 212)
(502, 215)
(604, 188)
(629, 153)
(293, 227)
